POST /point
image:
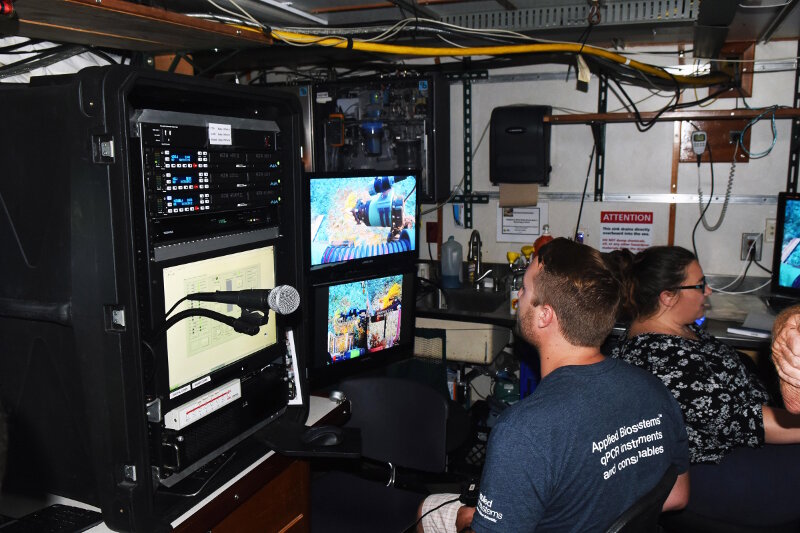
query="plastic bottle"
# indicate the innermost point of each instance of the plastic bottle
(452, 256)
(543, 239)
(516, 284)
(517, 266)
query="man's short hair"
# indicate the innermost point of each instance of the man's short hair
(584, 293)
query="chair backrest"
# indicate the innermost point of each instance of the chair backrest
(401, 421)
(642, 516)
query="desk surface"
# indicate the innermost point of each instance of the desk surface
(730, 310)
(724, 311)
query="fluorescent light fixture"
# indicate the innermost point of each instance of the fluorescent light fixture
(689, 70)
(287, 7)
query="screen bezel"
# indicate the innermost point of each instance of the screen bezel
(319, 372)
(158, 384)
(329, 271)
(780, 228)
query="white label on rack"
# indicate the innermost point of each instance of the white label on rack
(219, 134)
(204, 405)
(178, 392)
(201, 381)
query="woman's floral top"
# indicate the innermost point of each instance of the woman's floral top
(720, 398)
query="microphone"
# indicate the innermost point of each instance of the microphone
(283, 299)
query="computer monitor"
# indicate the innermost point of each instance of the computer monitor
(361, 218)
(786, 256)
(198, 348)
(361, 324)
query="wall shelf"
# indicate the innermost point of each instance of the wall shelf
(671, 116)
(125, 25)
(598, 121)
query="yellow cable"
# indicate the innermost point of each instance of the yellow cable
(340, 42)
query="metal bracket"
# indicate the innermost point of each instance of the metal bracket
(129, 471)
(103, 151)
(599, 132)
(794, 143)
(467, 75)
(153, 411)
(114, 317)
(473, 198)
(467, 85)
(468, 198)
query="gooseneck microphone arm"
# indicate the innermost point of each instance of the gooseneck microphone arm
(283, 299)
(249, 323)
(255, 305)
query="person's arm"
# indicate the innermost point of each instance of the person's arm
(780, 426)
(464, 519)
(679, 495)
(515, 477)
(786, 355)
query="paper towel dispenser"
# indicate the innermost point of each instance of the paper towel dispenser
(519, 145)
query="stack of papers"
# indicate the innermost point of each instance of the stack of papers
(755, 325)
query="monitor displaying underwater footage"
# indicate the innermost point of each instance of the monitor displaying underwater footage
(786, 257)
(362, 323)
(361, 217)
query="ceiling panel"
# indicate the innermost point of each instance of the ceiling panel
(189, 25)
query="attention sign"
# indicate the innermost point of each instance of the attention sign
(626, 229)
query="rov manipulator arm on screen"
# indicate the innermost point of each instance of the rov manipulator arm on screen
(255, 305)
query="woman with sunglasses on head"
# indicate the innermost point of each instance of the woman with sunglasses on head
(737, 474)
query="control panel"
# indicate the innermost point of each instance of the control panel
(205, 174)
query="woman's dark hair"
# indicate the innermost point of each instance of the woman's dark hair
(646, 275)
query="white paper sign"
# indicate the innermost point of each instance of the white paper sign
(520, 224)
(219, 134)
(626, 229)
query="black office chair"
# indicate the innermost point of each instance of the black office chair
(429, 367)
(642, 516)
(686, 521)
(403, 426)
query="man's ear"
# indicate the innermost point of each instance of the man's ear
(544, 316)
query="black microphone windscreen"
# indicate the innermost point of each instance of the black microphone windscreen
(284, 299)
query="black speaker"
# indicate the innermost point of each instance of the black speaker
(519, 144)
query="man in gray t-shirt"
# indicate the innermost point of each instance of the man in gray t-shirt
(580, 450)
(596, 434)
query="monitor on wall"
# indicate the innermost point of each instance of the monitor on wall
(786, 256)
(361, 219)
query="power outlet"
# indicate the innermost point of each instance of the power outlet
(753, 240)
(432, 232)
(769, 230)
